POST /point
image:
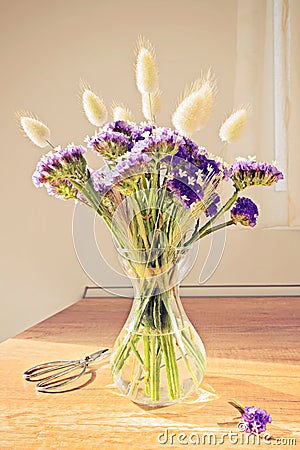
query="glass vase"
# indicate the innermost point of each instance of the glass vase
(158, 357)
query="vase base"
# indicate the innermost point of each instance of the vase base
(138, 396)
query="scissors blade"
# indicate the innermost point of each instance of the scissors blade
(97, 356)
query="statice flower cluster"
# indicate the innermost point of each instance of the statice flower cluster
(142, 131)
(127, 166)
(117, 138)
(245, 173)
(57, 169)
(255, 420)
(245, 212)
(191, 173)
(194, 184)
(193, 176)
(110, 144)
(160, 140)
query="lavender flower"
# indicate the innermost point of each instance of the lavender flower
(57, 169)
(255, 419)
(245, 212)
(252, 173)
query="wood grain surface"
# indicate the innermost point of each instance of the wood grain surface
(253, 348)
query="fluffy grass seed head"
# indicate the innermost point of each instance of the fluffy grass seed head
(233, 127)
(120, 112)
(146, 70)
(195, 108)
(34, 129)
(94, 107)
(150, 112)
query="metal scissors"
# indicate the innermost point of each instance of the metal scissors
(60, 368)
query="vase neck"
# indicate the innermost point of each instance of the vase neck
(158, 311)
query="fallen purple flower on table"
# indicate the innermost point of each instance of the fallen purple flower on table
(255, 419)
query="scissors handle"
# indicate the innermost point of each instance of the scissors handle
(41, 369)
(48, 374)
(55, 381)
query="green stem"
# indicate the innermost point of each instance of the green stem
(168, 367)
(135, 351)
(208, 224)
(218, 227)
(146, 363)
(173, 364)
(182, 350)
(194, 352)
(158, 357)
(140, 222)
(154, 369)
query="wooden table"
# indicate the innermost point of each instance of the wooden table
(253, 348)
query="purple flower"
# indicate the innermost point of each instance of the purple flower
(183, 182)
(190, 151)
(117, 138)
(128, 165)
(120, 126)
(159, 140)
(255, 419)
(141, 132)
(245, 212)
(250, 173)
(110, 144)
(193, 176)
(57, 169)
(195, 183)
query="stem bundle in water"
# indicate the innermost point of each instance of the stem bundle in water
(158, 351)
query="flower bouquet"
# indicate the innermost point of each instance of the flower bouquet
(159, 194)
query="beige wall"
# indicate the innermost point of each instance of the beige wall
(47, 46)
